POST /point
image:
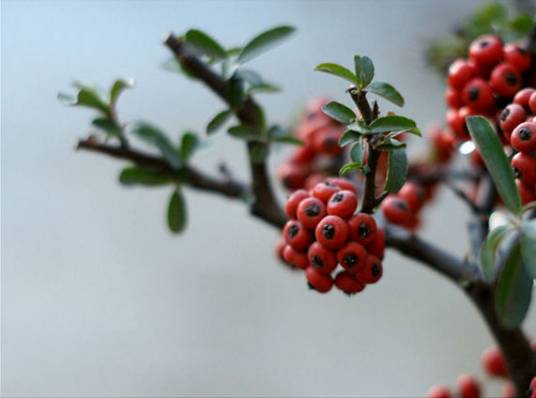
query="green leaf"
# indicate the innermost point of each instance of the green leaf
(528, 246)
(135, 175)
(234, 51)
(490, 147)
(414, 130)
(386, 91)
(397, 170)
(357, 152)
(155, 137)
(337, 70)
(107, 125)
(256, 84)
(514, 291)
(264, 87)
(264, 42)
(206, 44)
(259, 153)
(348, 137)
(364, 70)
(391, 123)
(488, 251)
(235, 91)
(391, 143)
(176, 214)
(287, 139)
(86, 97)
(189, 143)
(339, 112)
(174, 66)
(359, 127)
(245, 132)
(218, 121)
(348, 167)
(118, 87)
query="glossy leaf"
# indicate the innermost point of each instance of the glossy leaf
(264, 42)
(348, 137)
(357, 152)
(364, 70)
(176, 213)
(218, 121)
(349, 167)
(513, 293)
(339, 112)
(490, 147)
(155, 137)
(141, 176)
(528, 246)
(337, 70)
(488, 251)
(391, 123)
(189, 143)
(397, 169)
(386, 91)
(118, 87)
(206, 44)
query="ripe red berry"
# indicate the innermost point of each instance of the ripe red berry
(310, 212)
(477, 94)
(295, 258)
(331, 232)
(525, 193)
(352, 256)
(439, 392)
(468, 387)
(322, 283)
(293, 201)
(486, 50)
(460, 72)
(343, 183)
(348, 283)
(292, 175)
(342, 204)
(414, 194)
(523, 138)
(510, 117)
(493, 362)
(522, 97)
(453, 98)
(525, 168)
(372, 271)
(532, 102)
(297, 236)
(396, 210)
(325, 190)
(322, 259)
(509, 391)
(377, 246)
(326, 142)
(314, 179)
(505, 80)
(456, 122)
(302, 155)
(517, 56)
(363, 228)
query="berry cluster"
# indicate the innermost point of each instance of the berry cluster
(466, 386)
(323, 232)
(403, 207)
(320, 135)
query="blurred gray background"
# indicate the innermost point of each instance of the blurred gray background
(98, 299)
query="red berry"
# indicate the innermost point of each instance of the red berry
(322, 259)
(523, 138)
(509, 391)
(295, 258)
(372, 271)
(414, 194)
(532, 102)
(292, 175)
(327, 142)
(486, 50)
(348, 283)
(517, 56)
(331, 232)
(343, 183)
(493, 362)
(522, 97)
(352, 256)
(314, 179)
(456, 122)
(396, 210)
(477, 94)
(525, 168)
(322, 283)
(342, 204)
(363, 228)
(297, 236)
(302, 155)
(377, 246)
(505, 80)
(468, 387)
(293, 201)
(453, 98)
(510, 117)
(325, 190)
(438, 392)
(526, 194)
(460, 72)
(310, 212)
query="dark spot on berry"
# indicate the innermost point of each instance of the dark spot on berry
(517, 173)
(338, 198)
(401, 205)
(474, 92)
(510, 79)
(312, 210)
(328, 231)
(504, 114)
(525, 134)
(293, 230)
(484, 44)
(317, 261)
(376, 270)
(330, 184)
(363, 230)
(350, 259)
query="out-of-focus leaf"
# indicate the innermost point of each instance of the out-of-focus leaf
(245, 132)
(152, 135)
(488, 251)
(107, 125)
(118, 87)
(177, 213)
(218, 121)
(337, 70)
(87, 97)
(349, 167)
(264, 42)
(259, 153)
(206, 44)
(528, 246)
(287, 139)
(135, 175)
(189, 143)
(235, 91)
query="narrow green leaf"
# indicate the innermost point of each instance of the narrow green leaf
(264, 42)
(86, 97)
(287, 139)
(233, 51)
(235, 91)
(174, 66)
(152, 135)
(490, 147)
(364, 70)
(206, 44)
(189, 143)
(118, 87)
(357, 152)
(135, 175)
(244, 132)
(414, 131)
(339, 112)
(337, 70)
(488, 251)
(176, 214)
(218, 121)
(348, 137)
(513, 293)
(386, 91)
(107, 125)
(264, 87)
(397, 170)
(528, 246)
(348, 167)
(276, 131)
(391, 123)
